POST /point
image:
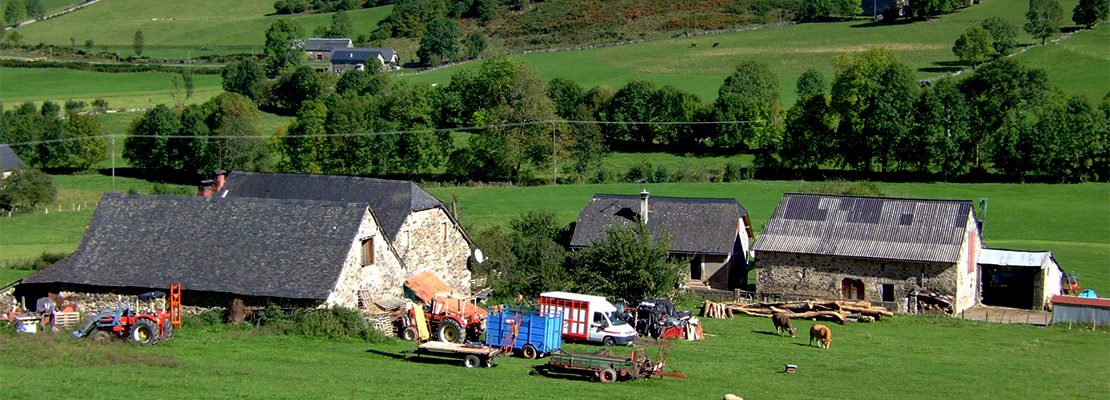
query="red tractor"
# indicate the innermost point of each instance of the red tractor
(144, 327)
(451, 319)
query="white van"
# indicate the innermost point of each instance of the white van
(590, 318)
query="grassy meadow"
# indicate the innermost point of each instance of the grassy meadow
(896, 358)
(123, 90)
(181, 28)
(51, 6)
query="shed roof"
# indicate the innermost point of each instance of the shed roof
(392, 200)
(1011, 258)
(867, 227)
(699, 226)
(426, 286)
(1080, 301)
(8, 159)
(252, 247)
(326, 44)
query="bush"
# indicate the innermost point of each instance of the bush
(843, 187)
(165, 188)
(45, 260)
(336, 322)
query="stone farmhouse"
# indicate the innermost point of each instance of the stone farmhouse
(319, 49)
(359, 58)
(262, 251)
(871, 248)
(713, 233)
(425, 235)
(9, 161)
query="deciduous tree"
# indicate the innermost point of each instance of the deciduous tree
(284, 45)
(631, 263)
(14, 12)
(1090, 12)
(751, 96)
(440, 42)
(973, 46)
(26, 188)
(1003, 34)
(873, 93)
(139, 42)
(244, 77)
(1045, 18)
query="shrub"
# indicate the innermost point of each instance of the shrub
(45, 260)
(336, 322)
(839, 186)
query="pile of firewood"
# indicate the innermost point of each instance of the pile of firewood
(836, 310)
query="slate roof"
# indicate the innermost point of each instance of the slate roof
(326, 44)
(252, 247)
(392, 200)
(359, 55)
(8, 159)
(867, 227)
(698, 226)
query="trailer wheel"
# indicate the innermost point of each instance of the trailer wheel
(409, 334)
(609, 341)
(449, 331)
(607, 375)
(145, 332)
(471, 361)
(100, 336)
(528, 351)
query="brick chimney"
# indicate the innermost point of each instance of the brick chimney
(204, 189)
(644, 207)
(210, 187)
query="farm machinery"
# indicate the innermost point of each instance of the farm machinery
(452, 319)
(608, 367)
(148, 326)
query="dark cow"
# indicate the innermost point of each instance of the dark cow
(693, 45)
(822, 334)
(782, 323)
(716, 44)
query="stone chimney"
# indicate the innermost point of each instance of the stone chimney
(205, 188)
(644, 207)
(210, 187)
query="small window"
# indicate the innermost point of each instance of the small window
(367, 251)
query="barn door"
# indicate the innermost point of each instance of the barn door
(851, 289)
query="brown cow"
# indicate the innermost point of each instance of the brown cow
(782, 323)
(693, 45)
(822, 334)
(716, 44)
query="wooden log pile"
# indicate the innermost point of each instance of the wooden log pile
(838, 311)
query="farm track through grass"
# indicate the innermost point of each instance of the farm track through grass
(900, 357)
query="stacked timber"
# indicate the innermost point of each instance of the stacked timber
(838, 311)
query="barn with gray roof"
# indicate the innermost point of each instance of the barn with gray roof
(360, 58)
(870, 248)
(262, 251)
(422, 229)
(714, 233)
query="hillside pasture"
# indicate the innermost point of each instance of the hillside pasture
(926, 46)
(121, 90)
(896, 358)
(51, 6)
(181, 29)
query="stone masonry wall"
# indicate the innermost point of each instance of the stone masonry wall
(821, 275)
(435, 244)
(967, 268)
(382, 279)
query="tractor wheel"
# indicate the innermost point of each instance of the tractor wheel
(450, 331)
(607, 375)
(145, 332)
(528, 351)
(471, 361)
(609, 341)
(409, 334)
(100, 336)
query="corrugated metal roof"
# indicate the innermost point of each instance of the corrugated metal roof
(1013, 258)
(867, 227)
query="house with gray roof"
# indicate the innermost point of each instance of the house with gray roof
(713, 233)
(420, 227)
(361, 58)
(263, 251)
(319, 49)
(871, 248)
(9, 161)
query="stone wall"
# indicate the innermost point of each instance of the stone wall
(429, 241)
(821, 276)
(715, 269)
(382, 279)
(967, 268)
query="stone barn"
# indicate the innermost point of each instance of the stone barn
(714, 233)
(419, 226)
(871, 248)
(360, 58)
(319, 49)
(262, 251)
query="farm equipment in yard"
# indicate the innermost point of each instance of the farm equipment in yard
(607, 367)
(452, 319)
(144, 327)
(472, 354)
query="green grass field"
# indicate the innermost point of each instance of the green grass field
(182, 28)
(127, 90)
(50, 6)
(896, 358)
(924, 46)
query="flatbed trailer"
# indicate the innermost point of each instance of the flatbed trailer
(606, 366)
(472, 355)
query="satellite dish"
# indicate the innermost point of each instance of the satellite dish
(478, 256)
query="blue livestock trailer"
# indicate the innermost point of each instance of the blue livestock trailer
(531, 332)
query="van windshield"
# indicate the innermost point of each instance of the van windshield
(616, 319)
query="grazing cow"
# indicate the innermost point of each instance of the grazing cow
(693, 45)
(782, 323)
(822, 334)
(716, 44)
